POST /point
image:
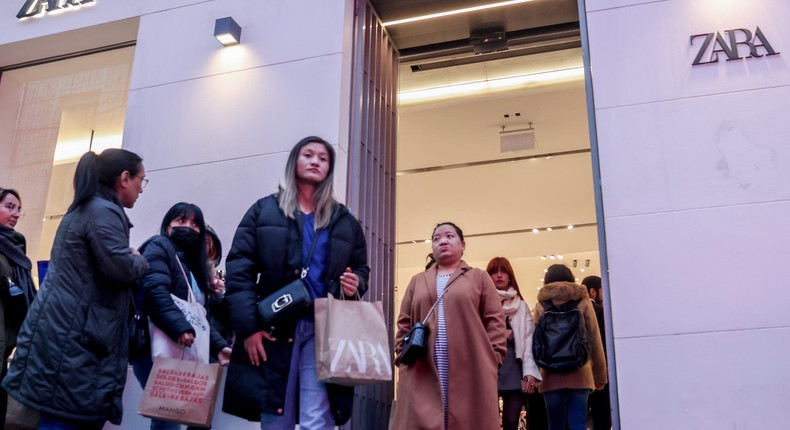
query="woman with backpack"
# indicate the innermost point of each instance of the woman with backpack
(518, 374)
(565, 388)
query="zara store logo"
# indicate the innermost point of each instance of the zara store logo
(36, 7)
(732, 44)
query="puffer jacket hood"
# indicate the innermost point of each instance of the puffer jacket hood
(562, 292)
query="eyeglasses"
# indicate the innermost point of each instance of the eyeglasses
(143, 181)
(14, 209)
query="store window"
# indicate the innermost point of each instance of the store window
(50, 115)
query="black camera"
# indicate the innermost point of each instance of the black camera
(414, 344)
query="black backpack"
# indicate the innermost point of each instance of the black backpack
(560, 341)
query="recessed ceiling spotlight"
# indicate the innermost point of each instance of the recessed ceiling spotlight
(552, 256)
(427, 241)
(534, 230)
(582, 270)
(570, 227)
(542, 257)
(541, 280)
(545, 270)
(560, 256)
(548, 228)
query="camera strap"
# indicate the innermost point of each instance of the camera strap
(447, 287)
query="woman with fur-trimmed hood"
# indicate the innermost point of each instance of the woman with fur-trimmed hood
(566, 393)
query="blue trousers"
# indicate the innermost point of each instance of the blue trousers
(567, 405)
(303, 387)
(48, 422)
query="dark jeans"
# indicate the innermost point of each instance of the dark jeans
(567, 406)
(49, 422)
(600, 409)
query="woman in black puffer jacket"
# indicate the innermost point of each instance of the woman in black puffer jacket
(272, 372)
(72, 350)
(176, 253)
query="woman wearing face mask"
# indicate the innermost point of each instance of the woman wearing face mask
(17, 290)
(178, 253)
(453, 386)
(518, 374)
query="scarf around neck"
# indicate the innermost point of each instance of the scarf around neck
(13, 246)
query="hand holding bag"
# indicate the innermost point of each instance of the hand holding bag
(195, 313)
(290, 301)
(351, 342)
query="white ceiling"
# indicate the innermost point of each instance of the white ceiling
(520, 195)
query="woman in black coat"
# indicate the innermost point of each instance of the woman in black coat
(178, 252)
(72, 350)
(17, 290)
(272, 372)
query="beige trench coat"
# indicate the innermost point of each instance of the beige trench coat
(476, 342)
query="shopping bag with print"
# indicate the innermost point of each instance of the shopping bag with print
(181, 391)
(351, 342)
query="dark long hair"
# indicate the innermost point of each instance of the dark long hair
(197, 263)
(502, 264)
(558, 273)
(104, 169)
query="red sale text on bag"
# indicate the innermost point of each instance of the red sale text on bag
(347, 353)
(182, 386)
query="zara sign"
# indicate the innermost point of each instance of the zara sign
(35, 7)
(714, 44)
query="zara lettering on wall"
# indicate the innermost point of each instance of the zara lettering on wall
(728, 44)
(35, 7)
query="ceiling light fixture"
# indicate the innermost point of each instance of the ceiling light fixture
(452, 12)
(491, 85)
(534, 230)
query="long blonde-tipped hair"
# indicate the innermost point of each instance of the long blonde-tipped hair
(323, 198)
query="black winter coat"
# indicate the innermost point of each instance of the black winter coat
(71, 357)
(267, 247)
(164, 277)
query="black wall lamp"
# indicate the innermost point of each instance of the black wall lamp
(227, 31)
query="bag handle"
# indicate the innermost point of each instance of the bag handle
(447, 287)
(190, 294)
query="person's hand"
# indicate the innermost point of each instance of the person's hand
(219, 285)
(528, 385)
(135, 251)
(350, 282)
(509, 334)
(599, 387)
(224, 356)
(254, 346)
(186, 339)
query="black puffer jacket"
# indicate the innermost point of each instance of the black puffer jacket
(72, 349)
(164, 277)
(269, 245)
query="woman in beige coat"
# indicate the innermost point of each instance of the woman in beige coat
(454, 385)
(566, 393)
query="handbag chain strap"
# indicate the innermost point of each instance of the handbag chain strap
(306, 267)
(430, 311)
